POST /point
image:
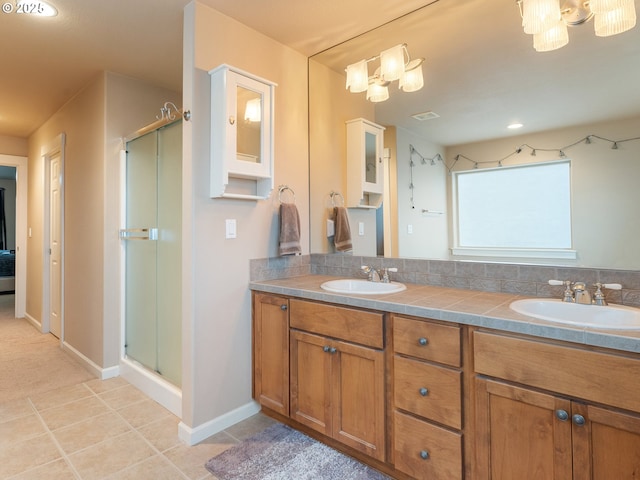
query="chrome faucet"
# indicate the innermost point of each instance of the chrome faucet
(381, 275)
(580, 294)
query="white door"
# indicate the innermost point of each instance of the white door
(55, 239)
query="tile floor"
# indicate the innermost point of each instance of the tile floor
(104, 430)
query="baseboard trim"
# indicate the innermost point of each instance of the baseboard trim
(154, 386)
(191, 436)
(33, 322)
(94, 368)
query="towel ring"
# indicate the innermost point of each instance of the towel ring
(333, 196)
(282, 188)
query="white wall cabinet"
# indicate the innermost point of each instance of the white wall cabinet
(242, 117)
(365, 168)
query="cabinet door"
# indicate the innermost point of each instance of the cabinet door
(522, 434)
(271, 352)
(310, 381)
(606, 445)
(358, 396)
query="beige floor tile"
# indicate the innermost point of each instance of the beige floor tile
(90, 432)
(111, 456)
(101, 386)
(22, 456)
(74, 412)
(191, 460)
(156, 468)
(143, 413)
(163, 433)
(123, 396)
(14, 409)
(249, 427)
(21, 429)
(60, 396)
(56, 470)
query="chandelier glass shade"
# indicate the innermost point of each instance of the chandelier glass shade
(547, 20)
(395, 64)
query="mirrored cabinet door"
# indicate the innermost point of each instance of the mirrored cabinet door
(241, 134)
(365, 168)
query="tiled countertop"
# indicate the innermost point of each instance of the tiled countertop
(469, 307)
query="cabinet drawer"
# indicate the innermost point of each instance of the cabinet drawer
(357, 326)
(599, 377)
(428, 390)
(426, 340)
(425, 451)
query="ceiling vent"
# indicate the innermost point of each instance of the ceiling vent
(425, 116)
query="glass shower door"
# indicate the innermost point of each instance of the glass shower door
(152, 245)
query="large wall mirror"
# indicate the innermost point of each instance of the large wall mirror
(579, 103)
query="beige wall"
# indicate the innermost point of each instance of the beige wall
(14, 145)
(604, 185)
(93, 122)
(216, 302)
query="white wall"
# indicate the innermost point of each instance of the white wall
(216, 297)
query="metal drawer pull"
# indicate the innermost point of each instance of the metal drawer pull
(423, 341)
(424, 455)
(562, 415)
(424, 392)
(283, 307)
(578, 420)
(329, 349)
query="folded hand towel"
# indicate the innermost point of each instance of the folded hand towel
(342, 237)
(289, 230)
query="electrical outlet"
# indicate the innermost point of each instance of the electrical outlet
(409, 229)
(361, 228)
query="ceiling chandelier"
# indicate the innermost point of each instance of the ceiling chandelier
(547, 21)
(395, 64)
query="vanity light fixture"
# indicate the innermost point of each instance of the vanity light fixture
(395, 64)
(547, 20)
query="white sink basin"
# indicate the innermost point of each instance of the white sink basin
(361, 287)
(596, 316)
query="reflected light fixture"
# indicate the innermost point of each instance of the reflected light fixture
(395, 64)
(253, 110)
(547, 20)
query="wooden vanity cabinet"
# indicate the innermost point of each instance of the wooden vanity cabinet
(271, 352)
(552, 411)
(427, 399)
(338, 374)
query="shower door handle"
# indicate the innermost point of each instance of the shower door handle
(139, 234)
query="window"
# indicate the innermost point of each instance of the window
(521, 211)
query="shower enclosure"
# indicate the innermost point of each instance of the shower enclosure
(151, 240)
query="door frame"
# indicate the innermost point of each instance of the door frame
(55, 147)
(20, 163)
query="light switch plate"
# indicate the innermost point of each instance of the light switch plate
(361, 228)
(331, 228)
(230, 224)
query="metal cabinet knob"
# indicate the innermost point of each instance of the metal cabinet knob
(333, 350)
(578, 420)
(283, 307)
(325, 348)
(424, 392)
(232, 120)
(423, 341)
(562, 415)
(424, 455)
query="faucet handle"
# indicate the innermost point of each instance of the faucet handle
(567, 296)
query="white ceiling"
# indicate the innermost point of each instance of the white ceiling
(480, 68)
(45, 61)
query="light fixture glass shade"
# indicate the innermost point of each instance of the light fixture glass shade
(357, 77)
(412, 79)
(539, 16)
(392, 63)
(603, 6)
(552, 39)
(253, 110)
(377, 93)
(615, 21)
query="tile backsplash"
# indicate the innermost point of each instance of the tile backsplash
(528, 280)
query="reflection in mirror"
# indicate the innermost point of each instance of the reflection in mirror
(371, 160)
(579, 103)
(249, 109)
